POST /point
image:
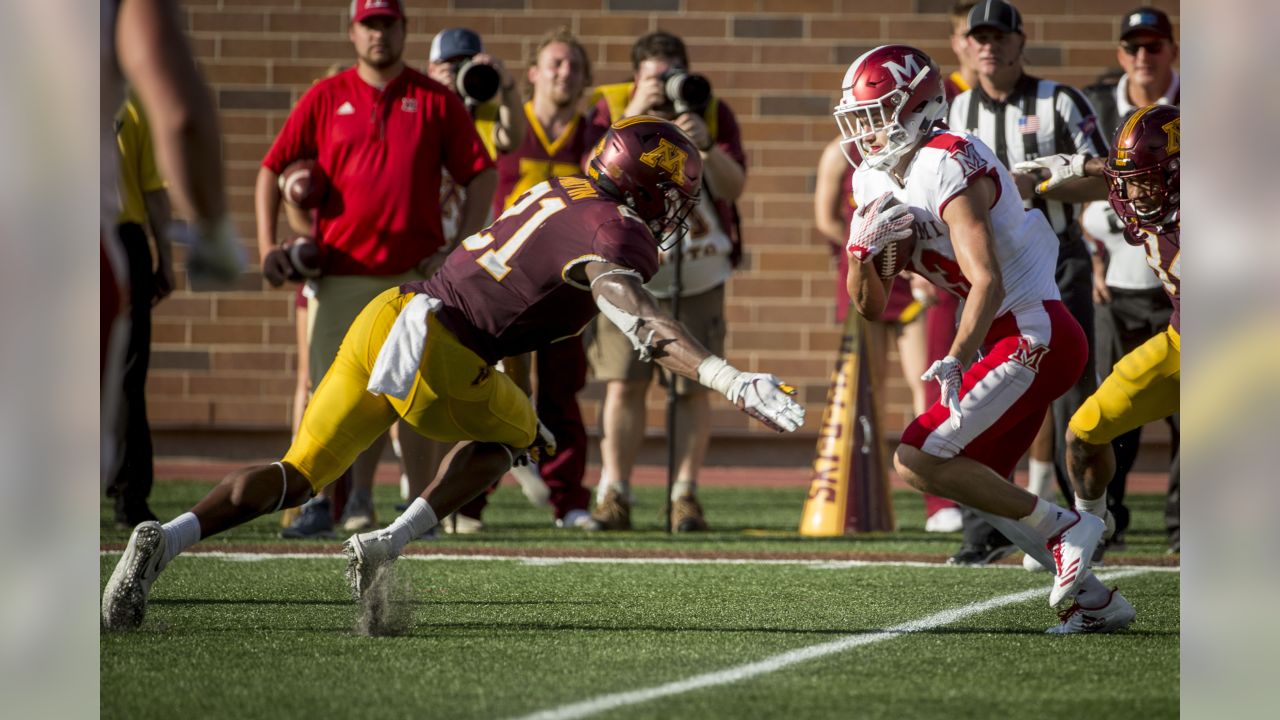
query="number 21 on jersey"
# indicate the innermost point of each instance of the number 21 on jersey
(497, 261)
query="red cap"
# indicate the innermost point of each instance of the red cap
(364, 9)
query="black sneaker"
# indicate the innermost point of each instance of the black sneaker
(314, 521)
(974, 556)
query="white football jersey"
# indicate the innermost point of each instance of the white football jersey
(946, 164)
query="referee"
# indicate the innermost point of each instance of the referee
(1023, 117)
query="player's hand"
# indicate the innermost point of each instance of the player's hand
(949, 375)
(276, 267)
(1053, 170)
(1101, 293)
(767, 399)
(875, 226)
(543, 447)
(649, 94)
(696, 128)
(215, 256)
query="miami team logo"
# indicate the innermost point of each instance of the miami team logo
(906, 72)
(1028, 355)
(667, 157)
(967, 155)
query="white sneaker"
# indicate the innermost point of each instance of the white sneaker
(578, 519)
(946, 520)
(124, 600)
(1072, 551)
(532, 485)
(1115, 615)
(1030, 564)
(366, 553)
(460, 524)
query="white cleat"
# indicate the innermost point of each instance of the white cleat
(1115, 615)
(366, 554)
(124, 600)
(1072, 551)
(946, 520)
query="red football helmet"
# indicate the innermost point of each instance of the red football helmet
(1144, 153)
(651, 166)
(893, 88)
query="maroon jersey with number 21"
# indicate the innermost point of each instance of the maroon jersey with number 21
(520, 283)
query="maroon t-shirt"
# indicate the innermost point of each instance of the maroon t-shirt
(518, 285)
(539, 157)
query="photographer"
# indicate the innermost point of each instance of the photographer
(665, 87)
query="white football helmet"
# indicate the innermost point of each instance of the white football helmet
(893, 88)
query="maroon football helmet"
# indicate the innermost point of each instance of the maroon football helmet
(652, 167)
(894, 88)
(1145, 153)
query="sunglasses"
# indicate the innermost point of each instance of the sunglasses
(1155, 47)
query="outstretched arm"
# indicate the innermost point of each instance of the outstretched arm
(622, 299)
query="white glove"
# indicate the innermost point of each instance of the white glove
(875, 226)
(949, 374)
(215, 258)
(760, 395)
(1061, 167)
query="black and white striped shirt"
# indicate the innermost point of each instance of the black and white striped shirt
(1040, 117)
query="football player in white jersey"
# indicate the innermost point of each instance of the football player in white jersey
(1016, 348)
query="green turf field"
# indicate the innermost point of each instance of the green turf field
(270, 637)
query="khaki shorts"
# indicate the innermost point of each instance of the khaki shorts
(612, 356)
(456, 396)
(338, 300)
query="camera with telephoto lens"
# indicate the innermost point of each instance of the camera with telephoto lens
(686, 91)
(477, 82)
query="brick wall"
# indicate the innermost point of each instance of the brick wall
(226, 360)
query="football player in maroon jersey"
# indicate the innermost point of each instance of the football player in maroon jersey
(1143, 177)
(570, 248)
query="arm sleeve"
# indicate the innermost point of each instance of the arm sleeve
(297, 139)
(464, 153)
(1078, 123)
(627, 242)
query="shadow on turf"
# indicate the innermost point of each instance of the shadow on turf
(511, 628)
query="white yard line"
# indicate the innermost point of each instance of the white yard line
(551, 559)
(613, 701)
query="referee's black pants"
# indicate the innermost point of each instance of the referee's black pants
(132, 483)
(1074, 275)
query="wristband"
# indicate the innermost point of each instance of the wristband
(716, 373)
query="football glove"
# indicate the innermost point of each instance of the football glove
(760, 395)
(949, 374)
(1061, 167)
(875, 226)
(543, 447)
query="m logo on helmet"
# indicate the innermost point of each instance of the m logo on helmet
(906, 72)
(1173, 130)
(668, 157)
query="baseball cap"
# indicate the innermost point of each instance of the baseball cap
(1147, 19)
(454, 42)
(364, 9)
(995, 14)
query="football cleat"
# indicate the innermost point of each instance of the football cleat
(946, 520)
(366, 554)
(459, 524)
(1072, 551)
(1030, 564)
(1115, 614)
(686, 515)
(578, 518)
(124, 600)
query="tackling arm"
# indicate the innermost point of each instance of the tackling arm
(623, 300)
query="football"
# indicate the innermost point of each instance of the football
(303, 184)
(894, 257)
(304, 256)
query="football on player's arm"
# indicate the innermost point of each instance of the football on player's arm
(303, 184)
(882, 232)
(893, 258)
